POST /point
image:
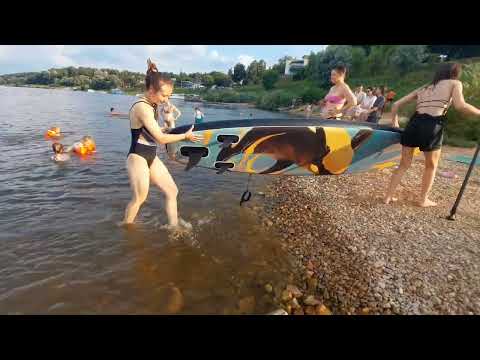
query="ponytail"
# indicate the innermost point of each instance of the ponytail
(154, 78)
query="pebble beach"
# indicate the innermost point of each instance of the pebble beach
(356, 255)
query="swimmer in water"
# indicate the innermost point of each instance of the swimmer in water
(198, 116)
(114, 113)
(59, 153)
(53, 132)
(86, 142)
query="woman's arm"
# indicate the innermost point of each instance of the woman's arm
(397, 104)
(179, 113)
(71, 147)
(148, 120)
(459, 101)
(350, 96)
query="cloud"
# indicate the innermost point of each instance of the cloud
(216, 57)
(170, 58)
(245, 59)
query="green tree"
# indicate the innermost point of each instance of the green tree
(379, 59)
(220, 79)
(208, 80)
(255, 71)
(279, 67)
(239, 73)
(406, 57)
(455, 51)
(358, 60)
(270, 77)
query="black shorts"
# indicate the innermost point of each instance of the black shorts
(424, 131)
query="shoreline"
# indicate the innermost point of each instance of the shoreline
(364, 257)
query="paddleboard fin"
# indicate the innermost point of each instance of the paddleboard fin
(227, 140)
(223, 166)
(194, 154)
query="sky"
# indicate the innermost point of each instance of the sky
(169, 58)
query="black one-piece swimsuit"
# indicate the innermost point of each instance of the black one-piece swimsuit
(148, 152)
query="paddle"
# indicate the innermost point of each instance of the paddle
(464, 185)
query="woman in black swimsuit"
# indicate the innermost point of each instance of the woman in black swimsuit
(144, 167)
(426, 126)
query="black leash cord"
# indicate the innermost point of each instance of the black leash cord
(247, 194)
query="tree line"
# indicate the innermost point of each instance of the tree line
(361, 60)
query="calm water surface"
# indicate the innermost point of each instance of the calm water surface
(61, 251)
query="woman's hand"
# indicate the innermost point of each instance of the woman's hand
(189, 135)
(334, 112)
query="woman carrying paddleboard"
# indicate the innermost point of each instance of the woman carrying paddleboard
(426, 126)
(143, 165)
(340, 98)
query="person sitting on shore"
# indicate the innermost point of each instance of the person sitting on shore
(426, 126)
(340, 98)
(170, 114)
(360, 94)
(364, 106)
(375, 113)
(308, 110)
(198, 116)
(59, 153)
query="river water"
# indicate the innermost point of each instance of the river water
(61, 251)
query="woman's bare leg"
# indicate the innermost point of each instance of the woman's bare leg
(160, 177)
(139, 176)
(405, 162)
(431, 164)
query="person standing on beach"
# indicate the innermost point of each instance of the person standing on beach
(340, 98)
(170, 114)
(143, 165)
(426, 126)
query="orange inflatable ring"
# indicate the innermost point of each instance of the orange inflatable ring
(51, 133)
(84, 150)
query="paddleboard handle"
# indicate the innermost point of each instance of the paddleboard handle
(464, 184)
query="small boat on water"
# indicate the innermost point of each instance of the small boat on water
(90, 91)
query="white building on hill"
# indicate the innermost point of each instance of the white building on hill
(292, 66)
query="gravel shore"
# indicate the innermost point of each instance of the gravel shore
(357, 255)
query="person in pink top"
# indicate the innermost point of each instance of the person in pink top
(340, 98)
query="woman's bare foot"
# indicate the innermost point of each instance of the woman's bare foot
(426, 203)
(389, 199)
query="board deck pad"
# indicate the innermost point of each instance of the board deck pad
(289, 147)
